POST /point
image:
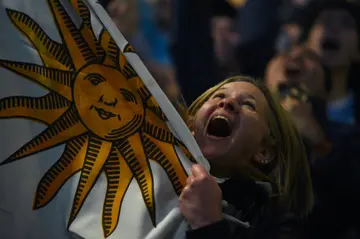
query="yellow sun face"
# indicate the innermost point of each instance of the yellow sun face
(99, 108)
(107, 104)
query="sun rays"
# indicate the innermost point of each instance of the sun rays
(99, 108)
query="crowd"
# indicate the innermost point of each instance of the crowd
(307, 54)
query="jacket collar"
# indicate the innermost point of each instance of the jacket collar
(243, 194)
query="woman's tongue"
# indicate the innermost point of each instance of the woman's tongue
(219, 128)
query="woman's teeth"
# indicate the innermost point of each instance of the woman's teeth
(221, 117)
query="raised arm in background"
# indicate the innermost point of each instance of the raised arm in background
(192, 48)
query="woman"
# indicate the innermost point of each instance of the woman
(249, 140)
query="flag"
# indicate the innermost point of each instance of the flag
(90, 145)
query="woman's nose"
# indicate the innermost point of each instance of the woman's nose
(229, 105)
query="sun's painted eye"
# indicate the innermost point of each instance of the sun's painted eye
(130, 97)
(94, 79)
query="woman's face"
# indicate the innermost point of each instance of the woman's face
(230, 127)
(299, 66)
(334, 37)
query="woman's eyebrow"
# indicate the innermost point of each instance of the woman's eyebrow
(247, 97)
(251, 97)
(222, 88)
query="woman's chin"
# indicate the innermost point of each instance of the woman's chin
(212, 153)
(213, 149)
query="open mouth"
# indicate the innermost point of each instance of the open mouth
(330, 45)
(292, 72)
(103, 114)
(219, 127)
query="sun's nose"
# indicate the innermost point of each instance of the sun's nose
(109, 101)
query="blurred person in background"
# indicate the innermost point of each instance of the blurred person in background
(146, 24)
(303, 85)
(216, 38)
(155, 24)
(125, 15)
(288, 37)
(331, 29)
(258, 25)
(193, 47)
(290, 31)
(298, 77)
(225, 40)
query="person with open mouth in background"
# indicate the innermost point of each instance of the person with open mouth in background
(331, 29)
(301, 82)
(303, 85)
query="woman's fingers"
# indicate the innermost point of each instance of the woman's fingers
(199, 171)
(190, 179)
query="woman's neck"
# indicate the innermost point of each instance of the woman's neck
(339, 85)
(219, 173)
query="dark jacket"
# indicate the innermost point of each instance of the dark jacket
(250, 203)
(336, 182)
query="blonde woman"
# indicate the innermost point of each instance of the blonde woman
(253, 145)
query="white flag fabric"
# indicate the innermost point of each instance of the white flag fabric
(90, 145)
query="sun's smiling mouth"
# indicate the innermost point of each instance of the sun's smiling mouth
(103, 114)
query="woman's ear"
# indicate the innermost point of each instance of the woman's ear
(265, 156)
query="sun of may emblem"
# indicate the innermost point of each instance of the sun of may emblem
(99, 108)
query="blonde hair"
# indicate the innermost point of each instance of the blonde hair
(289, 169)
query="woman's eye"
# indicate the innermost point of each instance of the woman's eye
(219, 95)
(250, 105)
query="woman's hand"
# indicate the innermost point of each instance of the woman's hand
(200, 201)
